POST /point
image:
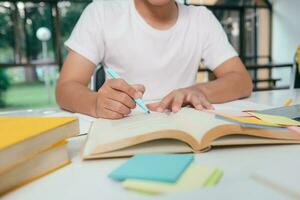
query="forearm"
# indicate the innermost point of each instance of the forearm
(75, 97)
(227, 88)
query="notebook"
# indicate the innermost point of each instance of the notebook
(158, 167)
(186, 131)
(36, 166)
(21, 137)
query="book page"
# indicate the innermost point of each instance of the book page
(107, 131)
(156, 146)
(197, 123)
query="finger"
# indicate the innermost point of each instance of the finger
(196, 102)
(153, 106)
(156, 107)
(139, 88)
(108, 114)
(121, 85)
(206, 104)
(116, 106)
(165, 103)
(120, 97)
(177, 102)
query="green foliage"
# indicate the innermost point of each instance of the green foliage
(41, 17)
(6, 31)
(36, 15)
(6, 36)
(69, 17)
(4, 84)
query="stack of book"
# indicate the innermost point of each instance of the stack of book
(31, 147)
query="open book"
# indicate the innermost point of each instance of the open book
(186, 131)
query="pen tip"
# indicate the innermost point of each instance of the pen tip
(148, 112)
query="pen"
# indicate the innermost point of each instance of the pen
(138, 101)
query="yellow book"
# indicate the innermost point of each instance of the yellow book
(35, 167)
(195, 176)
(21, 137)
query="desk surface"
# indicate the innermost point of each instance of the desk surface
(88, 179)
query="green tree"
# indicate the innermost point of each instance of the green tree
(4, 83)
(69, 16)
(6, 35)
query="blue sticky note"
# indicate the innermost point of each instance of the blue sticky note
(156, 167)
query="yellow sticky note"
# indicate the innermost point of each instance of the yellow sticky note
(250, 120)
(214, 178)
(194, 177)
(281, 120)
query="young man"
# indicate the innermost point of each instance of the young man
(156, 46)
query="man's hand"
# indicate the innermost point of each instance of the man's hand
(115, 98)
(178, 98)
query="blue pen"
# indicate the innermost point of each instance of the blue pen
(138, 101)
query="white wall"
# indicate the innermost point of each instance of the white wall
(286, 34)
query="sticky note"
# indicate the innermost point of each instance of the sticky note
(280, 120)
(295, 129)
(214, 178)
(195, 176)
(157, 167)
(250, 120)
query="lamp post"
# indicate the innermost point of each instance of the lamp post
(44, 34)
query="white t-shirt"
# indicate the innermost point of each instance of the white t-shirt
(113, 33)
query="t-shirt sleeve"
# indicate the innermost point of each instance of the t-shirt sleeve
(216, 49)
(87, 36)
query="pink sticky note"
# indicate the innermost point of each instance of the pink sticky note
(294, 129)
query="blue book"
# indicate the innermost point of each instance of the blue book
(156, 167)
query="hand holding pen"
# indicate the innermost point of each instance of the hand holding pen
(116, 98)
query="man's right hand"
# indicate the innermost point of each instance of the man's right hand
(115, 98)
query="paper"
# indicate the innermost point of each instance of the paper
(280, 120)
(195, 176)
(250, 120)
(214, 178)
(233, 113)
(295, 129)
(292, 112)
(158, 167)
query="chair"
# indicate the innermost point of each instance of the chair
(98, 78)
(295, 80)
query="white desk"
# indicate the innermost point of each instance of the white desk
(88, 179)
(276, 97)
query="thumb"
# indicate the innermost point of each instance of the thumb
(140, 88)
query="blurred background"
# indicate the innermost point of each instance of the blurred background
(266, 33)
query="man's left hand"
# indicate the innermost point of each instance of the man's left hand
(192, 96)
